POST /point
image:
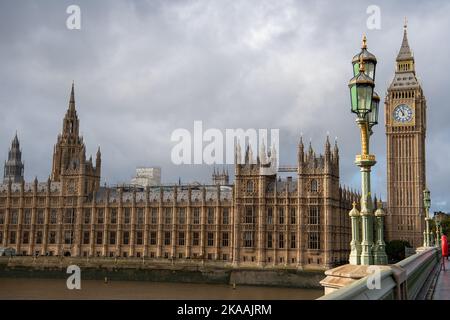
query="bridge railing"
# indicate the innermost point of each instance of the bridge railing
(401, 281)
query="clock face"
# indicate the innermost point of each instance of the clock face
(403, 113)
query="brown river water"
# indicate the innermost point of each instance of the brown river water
(15, 288)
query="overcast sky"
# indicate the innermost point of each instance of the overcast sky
(145, 68)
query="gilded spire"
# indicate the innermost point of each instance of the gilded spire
(364, 42)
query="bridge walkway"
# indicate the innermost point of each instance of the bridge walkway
(442, 288)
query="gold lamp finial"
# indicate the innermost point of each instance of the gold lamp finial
(364, 42)
(361, 64)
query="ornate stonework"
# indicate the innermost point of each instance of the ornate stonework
(405, 119)
(13, 166)
(259, 221)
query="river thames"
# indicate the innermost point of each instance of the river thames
(30, 288)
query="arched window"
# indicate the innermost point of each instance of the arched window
(249, 215)
(250, 187)
(314, 186)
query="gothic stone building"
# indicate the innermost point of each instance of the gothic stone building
(259, 221)
(405, 121)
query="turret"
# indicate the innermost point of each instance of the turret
(327, 149)
(249, 155)
(98, 161)
(237, 154)
(14, 167)
(273, 157)
(310, 152)
(336, 151)
(300, 151)
(71, 123)
(70, 152)
(220, 178)
(83, 155)
(262, 154)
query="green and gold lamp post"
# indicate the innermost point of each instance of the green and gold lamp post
(427, 204)
(365, 104)
(437, 220)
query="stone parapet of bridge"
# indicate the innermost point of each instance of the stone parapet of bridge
(408, 279)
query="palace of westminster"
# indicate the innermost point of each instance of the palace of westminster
(260, 220)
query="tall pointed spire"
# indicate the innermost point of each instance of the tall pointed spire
(71, 122)
(335, 149)
(327, 145)
(98, 157)
(262, 153)
(15, 142)
(300, 142)
(301, 150)
(13, 169)
(72, 98)
(405, 51)
(237, 153)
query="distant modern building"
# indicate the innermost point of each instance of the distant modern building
(146, 177)
(258, 221)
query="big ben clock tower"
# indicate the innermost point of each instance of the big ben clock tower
(405, 119)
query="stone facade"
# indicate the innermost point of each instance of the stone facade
(259, 221)
(405, 117)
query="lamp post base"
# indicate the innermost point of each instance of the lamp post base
(380, 257)
(355, 259)
(366, 259)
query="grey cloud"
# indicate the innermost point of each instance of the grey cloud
(145, 68)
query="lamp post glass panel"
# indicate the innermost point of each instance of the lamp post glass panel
(361, 92)
(370, 61)
(372, 116)
(365, 104)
